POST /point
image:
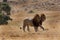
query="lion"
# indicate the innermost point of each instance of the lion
(35, 22)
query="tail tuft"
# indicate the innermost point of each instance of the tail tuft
(20, 27)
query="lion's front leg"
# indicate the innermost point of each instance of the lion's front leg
(36, 29)
(42, 27)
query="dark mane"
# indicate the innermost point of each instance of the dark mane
(36, 20)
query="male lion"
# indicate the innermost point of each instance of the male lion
(35, 22)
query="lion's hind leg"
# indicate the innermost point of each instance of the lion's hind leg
(24, 26)
(28, 28)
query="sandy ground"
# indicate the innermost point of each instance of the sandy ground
(12, 31)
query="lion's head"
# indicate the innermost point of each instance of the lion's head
(37, 20)
(43, 17)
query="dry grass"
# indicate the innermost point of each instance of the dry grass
(12, 31)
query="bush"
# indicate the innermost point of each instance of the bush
(5, 7)
(4, 19)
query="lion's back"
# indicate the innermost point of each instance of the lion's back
(28, 22)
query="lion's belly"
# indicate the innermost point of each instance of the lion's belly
(30, 23)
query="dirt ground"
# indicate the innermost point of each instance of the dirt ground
(12, 31)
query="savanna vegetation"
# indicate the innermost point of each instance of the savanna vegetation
(4, 17)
